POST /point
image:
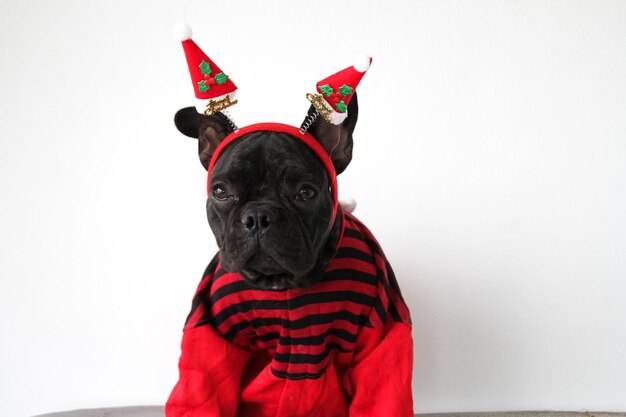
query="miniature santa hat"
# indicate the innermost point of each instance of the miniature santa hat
(209, 81)
(336, 91)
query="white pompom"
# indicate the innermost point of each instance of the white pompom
(362, 62)
(338, 118)
(182, 31)
(348, 204)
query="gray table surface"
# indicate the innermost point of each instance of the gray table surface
(157, 411)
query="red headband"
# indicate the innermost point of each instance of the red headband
(306, 138)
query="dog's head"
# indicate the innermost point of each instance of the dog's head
(270, 205)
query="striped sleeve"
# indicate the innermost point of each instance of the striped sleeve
(389, 304)
(382, 390)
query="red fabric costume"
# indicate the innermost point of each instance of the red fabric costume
(340, 348)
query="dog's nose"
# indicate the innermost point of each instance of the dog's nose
(257, 220)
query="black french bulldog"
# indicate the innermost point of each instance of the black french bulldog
(299, 310)
(270, 203)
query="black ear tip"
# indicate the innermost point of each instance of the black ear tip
(187, 121)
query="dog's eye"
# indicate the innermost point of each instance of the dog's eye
(306, 194)
(219, 193)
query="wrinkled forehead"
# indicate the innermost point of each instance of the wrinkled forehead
(269, 153)
(277, 130)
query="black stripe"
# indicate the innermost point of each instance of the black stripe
(269, 336)
(319, 339)
(350, 275)
(354, 234)
(220, 273)
(382, 278)
(298, 376)
(394, 312)
(244, 324)
(392, 279)
(310, 340)
(372, 244)
(301, 301)
(380, 310)
(325, 318)
(354, 253)
(307, 321)
(308, 358)
(244, 306)
(329, 297)
(393, 283)
(228, 289)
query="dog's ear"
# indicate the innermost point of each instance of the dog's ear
(209, 130)
(336, 139)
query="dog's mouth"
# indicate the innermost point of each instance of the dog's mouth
(268, 278)
(263, 270)
(270, 268)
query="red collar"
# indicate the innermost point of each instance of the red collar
(306, 138)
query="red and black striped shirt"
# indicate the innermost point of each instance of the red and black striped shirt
(340, 348)
(303, 330)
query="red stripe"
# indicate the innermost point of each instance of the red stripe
(352, 264)
(305, 332)
(292, 315)
(237, 318)
(324, 308)
(270, 328)
(354, 243)
(246, 295)
(225, 279)
(320, 288)
(297, 368)
(205, 282)
(350, 224)
(310, 350)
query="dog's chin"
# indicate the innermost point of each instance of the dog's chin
(267, 271)
(270, 280)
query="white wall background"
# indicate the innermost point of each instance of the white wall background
(490, 160)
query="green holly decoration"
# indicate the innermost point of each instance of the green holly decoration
(203, 87)
(341, 106)
(345, 90)
(326, 89)
(221, 78)
(205, 67)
